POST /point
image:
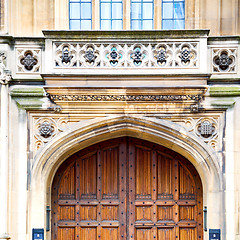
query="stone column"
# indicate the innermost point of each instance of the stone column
(5, 77)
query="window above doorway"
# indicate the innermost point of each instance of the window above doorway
(126, 14)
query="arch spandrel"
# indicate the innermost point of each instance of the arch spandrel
(159, 131)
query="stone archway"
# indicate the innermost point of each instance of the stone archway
(89, 132)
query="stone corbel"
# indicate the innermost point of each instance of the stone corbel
(224, 97)
(5, 75)
(33, 98)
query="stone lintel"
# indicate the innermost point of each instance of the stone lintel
(126, 80)
(125, 34)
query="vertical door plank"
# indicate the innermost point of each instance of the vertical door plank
(99, 193)
(123, 188)
(131, 179)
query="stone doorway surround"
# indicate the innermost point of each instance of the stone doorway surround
(88, 132)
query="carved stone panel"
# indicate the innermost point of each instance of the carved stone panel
(224, 60)
(28, 60)
(44, 129)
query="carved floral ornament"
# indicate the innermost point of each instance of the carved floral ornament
(162, 54)
(206, 128)
(29, 60)
(66, 55)
(46, 129)
(224, 60)
(114, 56)
(187, 54)
(137, 56)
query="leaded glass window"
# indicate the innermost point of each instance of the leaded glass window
(142, 14)
(111, 14)
(80, 14)
(173, 14)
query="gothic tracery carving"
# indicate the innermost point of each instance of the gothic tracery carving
(46, 129)
(29, 60)
(131, 55)
(186, 54)
(224, 60)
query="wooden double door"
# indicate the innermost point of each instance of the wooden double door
(126, 188)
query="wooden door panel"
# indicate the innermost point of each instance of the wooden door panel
(109, 212)
(110, 233)
(67, 185)
(66, 233)
(143, 176)
(110, 173)
(66, 213)
(127, 188)
(143, 234)
(165, 173)
(166, 234)
(186, 184)
(188, 233)
(143, 213)
(88, 213)
(187, 213)
(164, 213)
(87, 176)
(87, 233)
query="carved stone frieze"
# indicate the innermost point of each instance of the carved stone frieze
(224, 60)
(101, 55)
(134, 98)
(28, 60)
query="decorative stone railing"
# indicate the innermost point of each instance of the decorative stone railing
(161, 54)
(157, 51)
